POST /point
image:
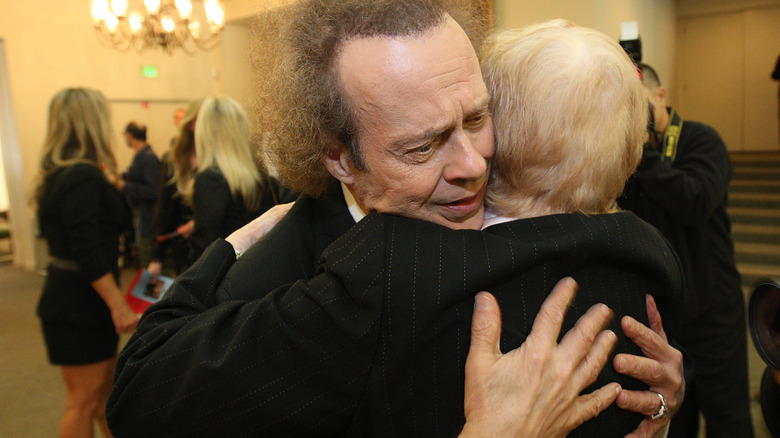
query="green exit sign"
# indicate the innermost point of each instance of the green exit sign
(148, 71)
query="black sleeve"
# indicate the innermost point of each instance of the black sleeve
(83, 198)
(282, 256)
(691, 187)
(292, 362)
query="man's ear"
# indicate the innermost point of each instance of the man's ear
(661, 94)
(338, 161)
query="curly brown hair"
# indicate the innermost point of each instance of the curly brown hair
(300, 104)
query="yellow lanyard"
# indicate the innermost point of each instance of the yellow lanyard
(671, 137)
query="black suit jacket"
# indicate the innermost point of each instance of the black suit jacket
(375, 344)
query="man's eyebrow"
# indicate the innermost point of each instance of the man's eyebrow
(480, 108)
(418, 139)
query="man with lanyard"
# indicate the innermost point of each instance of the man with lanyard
(681, 187)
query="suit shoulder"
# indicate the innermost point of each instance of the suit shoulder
(365, 234)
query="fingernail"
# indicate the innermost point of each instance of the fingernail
(480, 302)
(621, 362)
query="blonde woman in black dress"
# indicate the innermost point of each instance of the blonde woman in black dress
(81, 308)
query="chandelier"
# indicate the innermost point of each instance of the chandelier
(168, 24)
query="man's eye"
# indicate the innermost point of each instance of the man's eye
(476, 121)
(425, 148)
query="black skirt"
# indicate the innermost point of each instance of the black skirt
(68, 344)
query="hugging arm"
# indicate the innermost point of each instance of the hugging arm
(661, 370)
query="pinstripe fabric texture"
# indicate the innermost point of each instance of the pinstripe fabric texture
(375, 344)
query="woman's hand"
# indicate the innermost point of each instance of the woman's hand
(154, 268)
(243, 238)
(661, 370)
(186, 229)
(534, 390)
(125, 319)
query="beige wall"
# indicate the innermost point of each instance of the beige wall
(687, 8)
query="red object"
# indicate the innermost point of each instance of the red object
(144, 290)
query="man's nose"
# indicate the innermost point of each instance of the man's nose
(466, 162)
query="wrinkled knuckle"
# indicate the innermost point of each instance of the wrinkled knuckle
(592, 367)
(677, 382)
(594, 408)
(538, 357)
(677, 357)
(657, 372)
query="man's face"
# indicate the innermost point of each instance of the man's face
(658, 99)
(424, 129)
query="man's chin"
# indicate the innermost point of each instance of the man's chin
(471, 222)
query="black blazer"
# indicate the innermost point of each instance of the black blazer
(366, 348)
(218, 213)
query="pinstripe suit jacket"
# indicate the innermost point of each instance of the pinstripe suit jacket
(375, 344)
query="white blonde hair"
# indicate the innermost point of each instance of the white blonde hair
(223, 140)
(569, 113)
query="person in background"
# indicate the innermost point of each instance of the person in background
(139, 185)
(173, 222)
(178, 116)
(231, 185)
(681, 188)
(81, 215)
